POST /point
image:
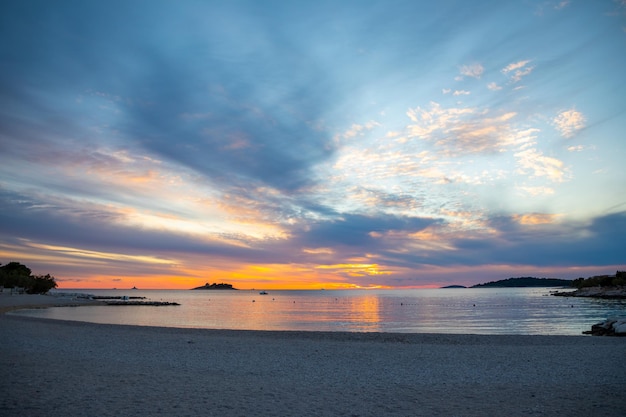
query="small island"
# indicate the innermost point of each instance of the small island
(214, 286)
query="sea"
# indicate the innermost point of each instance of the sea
(526, 311)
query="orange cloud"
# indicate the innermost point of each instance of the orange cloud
(535, 218)
(356, 270)
(319, 251)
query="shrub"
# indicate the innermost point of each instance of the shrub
(14, 274)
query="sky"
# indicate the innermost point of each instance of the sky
(301, 144)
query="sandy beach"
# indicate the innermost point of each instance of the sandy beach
(58, 368)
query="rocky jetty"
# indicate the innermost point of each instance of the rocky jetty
(613, 292)
(609, 327)
(115, 297)
(140, 303)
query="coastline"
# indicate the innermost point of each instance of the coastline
(608, 293)
(10, 302)
(61, 368)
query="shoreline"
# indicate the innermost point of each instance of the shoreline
(11, 302)
(60, 368)
(608, 293)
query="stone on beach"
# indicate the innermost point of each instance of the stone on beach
(609, 327)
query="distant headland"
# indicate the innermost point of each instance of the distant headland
(526, 282)
(214, 286)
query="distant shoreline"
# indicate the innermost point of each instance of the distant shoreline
(527, 282)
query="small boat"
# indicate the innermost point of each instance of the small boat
(263, 292)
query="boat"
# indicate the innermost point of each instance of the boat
(263, 292)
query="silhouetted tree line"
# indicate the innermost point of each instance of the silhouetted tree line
(601, 280)
(16, 275)
(525, 282)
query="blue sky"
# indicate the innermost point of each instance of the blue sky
(312, 144)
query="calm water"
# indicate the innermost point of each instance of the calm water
(477, 311)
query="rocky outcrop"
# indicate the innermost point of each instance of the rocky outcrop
(616, 292)
(609, 327)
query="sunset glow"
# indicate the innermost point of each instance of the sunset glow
(372, 144)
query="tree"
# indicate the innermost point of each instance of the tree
(42, 284)
(601, 280)
(14, 274)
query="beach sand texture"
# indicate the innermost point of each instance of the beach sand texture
(57, 368)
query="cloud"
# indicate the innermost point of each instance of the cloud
(533, 239)
(167, 139)
(576, 148)
(519, 74)
(554, 5)
(562, 4)
(358, 231)
(319, 251)
(514, 66)
(472, 70)
(563, 243)
(536, 191)
(236, 106)
(536, 239)
(517, 70)
(536, 218)
(569, 122)
(356, 269)
(357, 129)
(533, 162)
(462, 130)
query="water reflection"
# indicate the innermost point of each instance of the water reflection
(479, 311)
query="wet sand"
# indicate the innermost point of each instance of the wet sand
(60, 368)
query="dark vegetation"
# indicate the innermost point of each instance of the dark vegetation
(601, 280)
(526, 282)
(15, 275)
(214, 286)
